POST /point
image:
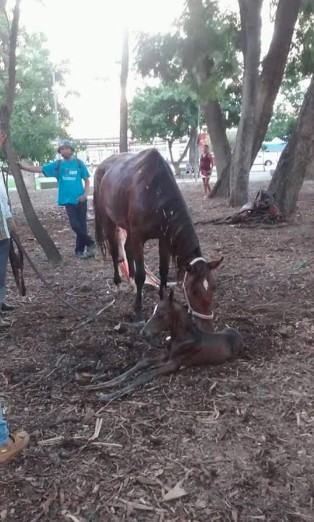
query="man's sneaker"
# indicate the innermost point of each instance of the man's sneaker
(7, 307)
(3, 323)
(90, 251)
(80, 255)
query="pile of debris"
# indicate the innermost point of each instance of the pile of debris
(263, 211)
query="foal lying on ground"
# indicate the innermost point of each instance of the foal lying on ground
(190, 347)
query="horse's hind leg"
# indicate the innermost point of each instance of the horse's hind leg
(112, 237)
(130, 260)
(169, 367)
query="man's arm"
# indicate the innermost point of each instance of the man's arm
(84, 196)
(30, 168)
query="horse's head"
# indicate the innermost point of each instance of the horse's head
(163, 314)
(199, 286)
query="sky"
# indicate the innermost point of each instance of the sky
(89, 35)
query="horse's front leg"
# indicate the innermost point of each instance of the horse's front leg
(140, 274)
(164, 259)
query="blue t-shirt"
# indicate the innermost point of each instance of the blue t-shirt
(69, 174)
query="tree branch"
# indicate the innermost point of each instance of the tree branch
(12, 58)
(274, 65)
(170, 143)
(185, 150)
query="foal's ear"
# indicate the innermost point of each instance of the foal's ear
(214, 264)
(171, 296)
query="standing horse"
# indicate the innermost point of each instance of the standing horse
(139, 194)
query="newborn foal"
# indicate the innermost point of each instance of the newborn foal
(190, 346)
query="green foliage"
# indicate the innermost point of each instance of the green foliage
(33, 127)
(281, 125)
(202, 53)
(167, 112)
(301, 61)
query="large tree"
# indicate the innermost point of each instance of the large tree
(295, 158)
(205, 52)
(298, 156)
(9, 28)
(268, 82)
(251, 25)
(123, 96)
(168, 112)
(202, 54)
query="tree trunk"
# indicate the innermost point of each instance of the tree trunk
(295, 158)
(273, 68)
(176, 164)
(40, 233)
(193, 150)
(217, 131)
(123, 98)
(251, 23)
(9, 35)
(309, 174)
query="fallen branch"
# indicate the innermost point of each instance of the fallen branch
(96, 316)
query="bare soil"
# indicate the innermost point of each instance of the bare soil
(238, 439)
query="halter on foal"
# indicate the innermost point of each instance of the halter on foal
(139, 194)
(190, 347)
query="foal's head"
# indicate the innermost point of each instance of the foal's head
(168, 315)
(199, 286)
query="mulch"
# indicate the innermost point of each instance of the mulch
(232, 443)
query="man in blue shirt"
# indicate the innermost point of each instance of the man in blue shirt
(71, 173)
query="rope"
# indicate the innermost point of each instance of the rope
(39, 275)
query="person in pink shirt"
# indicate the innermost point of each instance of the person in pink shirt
(206, 167)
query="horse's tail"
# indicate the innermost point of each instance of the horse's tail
(100, 233)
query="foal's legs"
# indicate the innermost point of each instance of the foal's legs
(169, 367)
(140, 366)
(140, 274)
(164, 259)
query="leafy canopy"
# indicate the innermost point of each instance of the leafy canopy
(33, 126)
(202, 53)
(168, 112)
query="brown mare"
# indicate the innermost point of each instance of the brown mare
(190, 347)
(139, 194)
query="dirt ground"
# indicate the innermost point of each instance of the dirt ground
(236, 441)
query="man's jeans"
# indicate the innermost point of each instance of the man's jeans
(4, 257)
(77, 215)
